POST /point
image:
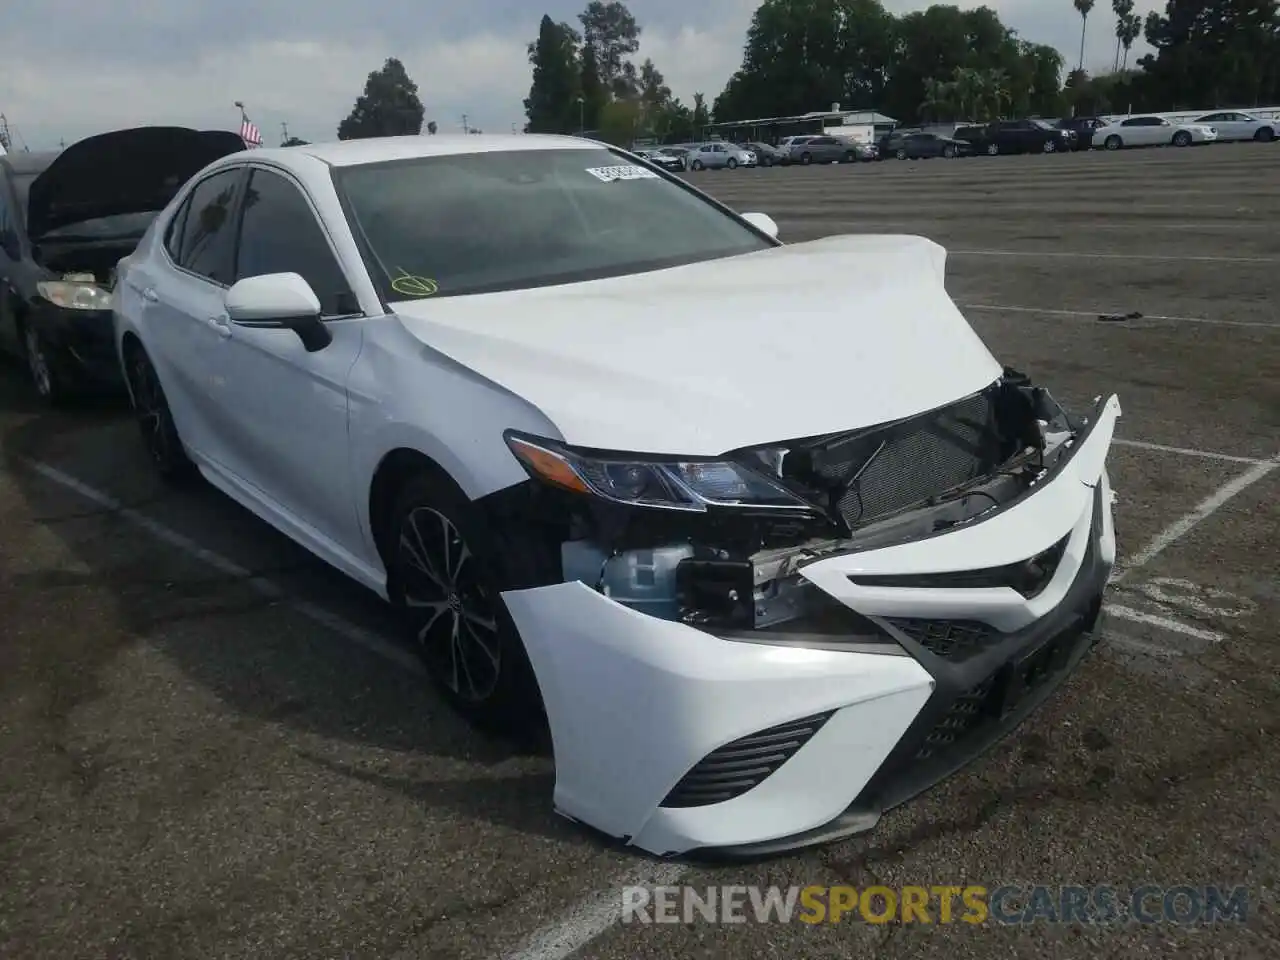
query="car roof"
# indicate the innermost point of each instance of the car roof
(349, 153)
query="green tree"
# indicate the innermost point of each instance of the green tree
(1083, 7)
(619, 122)
(613, 35)
(700, 117)
(552, 102)
(389, 106)
(1123, 10)
(1130, 30)
(592, 90)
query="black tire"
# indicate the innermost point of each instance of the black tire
(48, 381)
(949, 152)
(452, 605)
(993, 149)
(1182, 139)
(1113, 142)
(155, 421)
(901, 153)
(731, 163)
(806, 159)
(1050, 146)
(1264, 135)
(696, 165)
(850, 157)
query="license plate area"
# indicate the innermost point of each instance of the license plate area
(1020, 679)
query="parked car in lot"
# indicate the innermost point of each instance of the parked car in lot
(919, 146)
(65, 219)
(1016, 136)
(1152, 132)
(720, 155)
(665, 158)
(766, 155)
(822, 149)
(1233, 125)
(1083, 128)
(628, 472)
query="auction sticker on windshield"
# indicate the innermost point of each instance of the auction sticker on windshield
(622, 172)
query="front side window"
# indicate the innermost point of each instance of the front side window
(205, 248)
(506, 220)
(279, 233)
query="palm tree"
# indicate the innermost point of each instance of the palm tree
(1123, 11)
(1083, 7)
(997, 82)
(1130, 30)
(938, 97)
(970, 89)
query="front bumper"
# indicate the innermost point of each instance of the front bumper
(80, 344)
(653, 720)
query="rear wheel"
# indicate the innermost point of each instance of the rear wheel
(806, 158)
(901, 154)
(849, 157)
(1050, 146)
(993, 149)
(155, 421)
(1182, 139)
(444, 575)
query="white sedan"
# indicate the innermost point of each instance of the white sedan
(1151, 132)
(761, 564)
(1233, 125)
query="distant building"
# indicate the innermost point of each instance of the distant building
(864, 126)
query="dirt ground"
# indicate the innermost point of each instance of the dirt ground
(212, 746)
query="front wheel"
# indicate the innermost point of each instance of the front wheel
(993, 149)
(1264, 135)
(696, 165)
(901, 154)
(850, 157)
(1112, 142)
(806, 159)
(949, 152)
(443, 576)
(1050, 146)
(155, 420)
(46, 379)
(731, 163)
(1182, 139)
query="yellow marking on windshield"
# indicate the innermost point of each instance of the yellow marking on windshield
(410, 286)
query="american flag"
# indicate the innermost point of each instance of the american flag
(250, 133)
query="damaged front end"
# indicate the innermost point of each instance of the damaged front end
(719, 546)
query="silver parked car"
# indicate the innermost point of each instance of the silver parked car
(823, 150)
(1234, 125)
(720, 155)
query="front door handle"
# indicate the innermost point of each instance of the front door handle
(150, 294)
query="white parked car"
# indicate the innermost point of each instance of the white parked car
(1151, 132)
(1234, 125)
(761, 564)
(719, 155)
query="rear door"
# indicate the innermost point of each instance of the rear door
(183, 291)
(10, 254)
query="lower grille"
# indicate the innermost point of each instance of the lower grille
(953, 639)
(964, 717)
(737, 767)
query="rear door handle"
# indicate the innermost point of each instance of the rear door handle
(150, 294)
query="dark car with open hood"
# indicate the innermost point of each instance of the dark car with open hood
(66, 219)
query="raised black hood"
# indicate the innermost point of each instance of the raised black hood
(125, 171)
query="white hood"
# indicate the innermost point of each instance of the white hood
(793, 341)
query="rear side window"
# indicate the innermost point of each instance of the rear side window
(280, 233)
(207, 231)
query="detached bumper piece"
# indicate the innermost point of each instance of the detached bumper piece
(986, 684)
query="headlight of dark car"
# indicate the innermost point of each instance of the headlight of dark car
(668, 484)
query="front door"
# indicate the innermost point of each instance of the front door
(289, 407)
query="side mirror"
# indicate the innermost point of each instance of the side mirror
(762, 222)
(279, 300)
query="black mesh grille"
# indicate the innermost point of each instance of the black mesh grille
(953, 639)
(965, 716)
(735, 768)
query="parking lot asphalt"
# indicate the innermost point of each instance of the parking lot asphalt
(210, 747)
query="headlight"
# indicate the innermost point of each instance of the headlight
(75, 295)
(667, 484)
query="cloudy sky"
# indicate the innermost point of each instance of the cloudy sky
(69, 69)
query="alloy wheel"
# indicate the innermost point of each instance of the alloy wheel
(151, 409)
(454, 619)
(38, 363)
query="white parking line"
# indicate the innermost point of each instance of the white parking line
(1094, 314)
(1083, 255)
(267, 588)
(1167, 537)
(1164, 623)
(1185, 451)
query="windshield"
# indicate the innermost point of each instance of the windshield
(511, 219)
